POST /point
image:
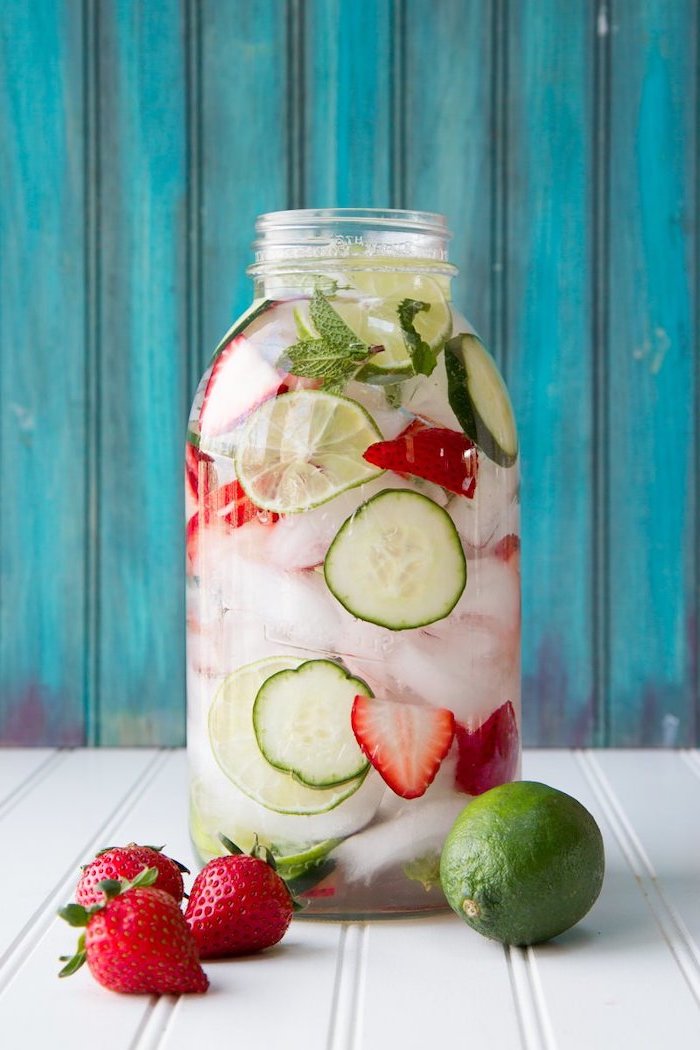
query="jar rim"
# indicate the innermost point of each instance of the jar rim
(303, 236)
(294, 218)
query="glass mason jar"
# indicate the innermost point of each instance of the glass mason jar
(353, 580)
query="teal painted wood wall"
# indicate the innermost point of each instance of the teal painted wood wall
(140, 140)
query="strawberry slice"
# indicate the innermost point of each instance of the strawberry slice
(199, 471)
(507, 547)
(443, 456)
(405, 743)
(487, 755)
(239, 381)
(227, 505)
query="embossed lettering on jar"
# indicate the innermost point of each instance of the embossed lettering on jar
(353, 565)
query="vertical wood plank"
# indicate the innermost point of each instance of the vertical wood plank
(142, 370)
(650, 455)
(448, 161)
(548, 321)
(42, 373)
(349, 71)
(244, 147)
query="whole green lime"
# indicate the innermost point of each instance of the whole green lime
(522, 863)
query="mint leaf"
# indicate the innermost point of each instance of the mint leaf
(334, 356)
(425, 870)
(332, 328)
(394, 395)
(423, 358)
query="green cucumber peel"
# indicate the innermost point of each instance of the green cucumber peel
(463, 404)
(304, 773)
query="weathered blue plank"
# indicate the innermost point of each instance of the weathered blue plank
(349, 57)
(652, 201)
(142, 371)
(42, 369)
(117, 275)
(244, 147)
(549, 358)
(434, 150)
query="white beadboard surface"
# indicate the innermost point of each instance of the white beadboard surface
(628, 974)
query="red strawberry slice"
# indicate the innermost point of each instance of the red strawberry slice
(239, 381)
(200, 472)
(228, 506)
(443, 456)
(507, 547)
(488, 754)
(405, 743)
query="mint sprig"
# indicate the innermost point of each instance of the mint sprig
(423, 357)
(335, 356)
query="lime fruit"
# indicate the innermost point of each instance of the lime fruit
(522, 863)
(303, 448)
(235, 747)
(373, 316)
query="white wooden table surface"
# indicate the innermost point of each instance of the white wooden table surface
(628, 975)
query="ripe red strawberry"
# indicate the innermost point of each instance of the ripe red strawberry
(507, 547)
(136, 940)
(405, 743)
(238, 904)
(487, 755)
(125, 862)
(227, 506)
(445, 457)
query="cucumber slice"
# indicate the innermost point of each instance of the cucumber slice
(397, 561)
(302, 723)
(235, 747)
(479, 399)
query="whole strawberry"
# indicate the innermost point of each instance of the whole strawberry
(125, 862)
(136, 940)
(238, 904)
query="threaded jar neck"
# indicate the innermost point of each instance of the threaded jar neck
(350, 238)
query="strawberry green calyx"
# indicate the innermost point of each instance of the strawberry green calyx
(79, 916)
(230, 846)
(260, 852)
(74, 962)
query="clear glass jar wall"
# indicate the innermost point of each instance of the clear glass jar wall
(353, 565)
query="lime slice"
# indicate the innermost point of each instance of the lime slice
(235, 747)
(207, 820)
(292, 865)
(373, 316)
(302, 449)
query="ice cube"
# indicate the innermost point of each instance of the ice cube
(426, 397)
(478, 519)
(418, 828)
